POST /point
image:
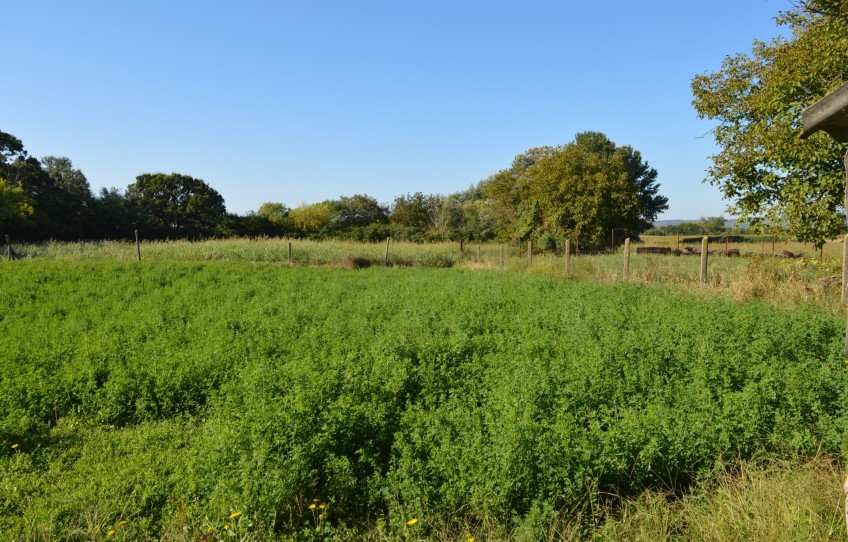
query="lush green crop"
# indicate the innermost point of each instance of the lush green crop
(172, 395)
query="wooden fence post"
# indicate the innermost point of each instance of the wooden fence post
(461, 249)
(567, 257)
(478, 252)
(290, 253)
(844, 268)
(705, 245)
(137, 245)
(626, 258)
(10, 252)
(388, 239)
(530, 252)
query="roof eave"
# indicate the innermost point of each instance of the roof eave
(829, 114)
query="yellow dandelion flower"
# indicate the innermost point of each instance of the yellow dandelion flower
(316, 500)
(312, 506)
(15, 446)
(412, 522)
(122, 523)
(226, 527)
(320, 517)
(470, 539)
(322, 506)
(235, 515)
(111, 533)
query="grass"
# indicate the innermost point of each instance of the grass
(507, 406)
(264, 250)
(777, 501)
(788, 282)
(770, 496)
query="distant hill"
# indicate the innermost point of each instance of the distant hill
(730, 222)
(659, 223)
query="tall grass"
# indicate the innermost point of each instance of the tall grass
(262, 250)
(788, 282)
(778, 501)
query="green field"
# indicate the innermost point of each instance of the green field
(157, 399)
(786, 282)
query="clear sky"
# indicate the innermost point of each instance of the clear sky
(302, 101)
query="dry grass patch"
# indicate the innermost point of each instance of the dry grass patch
(783, 501)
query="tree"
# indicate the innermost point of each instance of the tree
(581, 193)
(713, 225)
(312, 219)
(65, 177)
(14, 207)
(357, 211)
(639, 173)
(67, 199)
(757, 98)
(276, 213)
(414, 215)
(175, 205)
(583, 188)
(58, 193)
(114, 215)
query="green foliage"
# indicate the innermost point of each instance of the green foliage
(277, 213)
(529, 202)
(312, 219)
(414, 215)
(14, 206)
(57, 196)
(175, 205)
(582, 189)
(757, 99)
(472, 397)
(357, 211)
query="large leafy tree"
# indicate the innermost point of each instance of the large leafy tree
(114, 215)
(756, 98)
(312, 220)
(357, 211)
(276, 213)
(58, 193)
(463, 215)
(577, 193)
(640, 175)
(581, 189)
(175, 205)
(67, 200)
(413, 216)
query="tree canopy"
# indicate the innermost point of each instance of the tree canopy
(176, 205)
(57, 195)
(756, 98)
(15, 208)
(580, 190)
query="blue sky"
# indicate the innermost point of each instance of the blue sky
(305, 101)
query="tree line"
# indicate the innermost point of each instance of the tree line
(578, 190)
